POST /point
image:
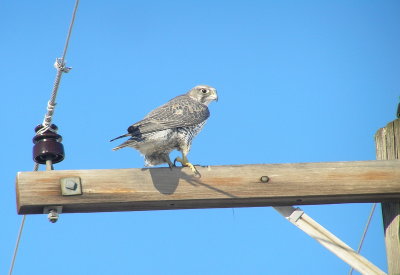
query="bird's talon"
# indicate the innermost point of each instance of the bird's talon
(194, 170)
(185, 163)
(191, 166)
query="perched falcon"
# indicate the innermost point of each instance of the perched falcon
(171, 126)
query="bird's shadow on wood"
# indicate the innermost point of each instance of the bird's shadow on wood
(166, 180)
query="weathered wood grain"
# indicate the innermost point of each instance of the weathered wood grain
(387, 142)
(218, 187)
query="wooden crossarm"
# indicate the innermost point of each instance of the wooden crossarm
(218, 187)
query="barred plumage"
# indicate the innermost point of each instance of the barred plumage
(171, 126)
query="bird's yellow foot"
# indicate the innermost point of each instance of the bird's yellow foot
(186, 163)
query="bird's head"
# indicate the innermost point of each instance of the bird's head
(203, 93)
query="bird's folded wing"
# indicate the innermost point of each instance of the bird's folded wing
(181, 111)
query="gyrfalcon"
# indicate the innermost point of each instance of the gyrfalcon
(171, 126)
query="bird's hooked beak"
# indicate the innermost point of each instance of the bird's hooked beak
(214, 94)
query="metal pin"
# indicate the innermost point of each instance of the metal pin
(264, 179)
(49, 165)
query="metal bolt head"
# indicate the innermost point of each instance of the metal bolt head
(264, 179)
(70, 184)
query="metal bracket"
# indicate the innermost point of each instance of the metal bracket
(71, 186)
(290, 213)
(296, 215)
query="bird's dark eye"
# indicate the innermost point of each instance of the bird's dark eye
(203, 91)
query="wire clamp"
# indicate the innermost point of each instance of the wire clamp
(60, 65)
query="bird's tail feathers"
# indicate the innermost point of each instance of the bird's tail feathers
(119, 147)
(126, 135)
(128, 143)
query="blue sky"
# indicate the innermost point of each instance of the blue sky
(302, 81)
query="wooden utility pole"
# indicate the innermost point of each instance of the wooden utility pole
(219, 186)
(387, 141)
